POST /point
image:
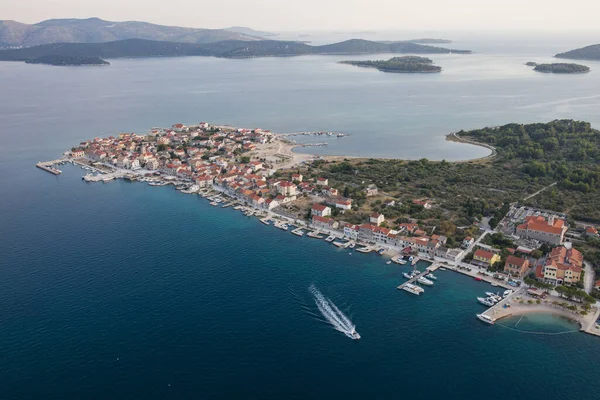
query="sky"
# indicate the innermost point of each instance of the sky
(325, 15)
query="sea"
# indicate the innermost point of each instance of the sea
(124, 291)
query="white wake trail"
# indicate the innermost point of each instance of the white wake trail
(333, 315)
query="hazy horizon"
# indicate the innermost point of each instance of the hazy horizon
(326, 15)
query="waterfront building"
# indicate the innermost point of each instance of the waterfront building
(351, 231)
(77, 153)
(562, 266)
(516, 266)
(537, 228)
(485, 258)
(324, 222)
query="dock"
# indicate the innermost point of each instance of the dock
(48, 168)
(428, 270)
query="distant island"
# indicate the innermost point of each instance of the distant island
(420, 41)
(67, 60)
(406, 64)
(585, 53)
(559, 68)
(224, 49)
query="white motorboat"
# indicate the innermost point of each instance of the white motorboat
(485, 301)
(407, 275)
(507, 293)
(431, 276)
(485, 318)
(330, 239)
(425, 281)
(493, 296)
(354, 334)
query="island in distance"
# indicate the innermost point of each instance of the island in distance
(585, 53)
(67, 60)
(223, 49)
(559, 68)
(406, 64)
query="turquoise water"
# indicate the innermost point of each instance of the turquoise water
(121, 290)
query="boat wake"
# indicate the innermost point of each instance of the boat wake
(333, 315)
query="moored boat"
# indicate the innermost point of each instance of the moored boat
(485, 318)
(485, 301)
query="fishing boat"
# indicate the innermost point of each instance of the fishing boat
(485, 301)
(485, 318)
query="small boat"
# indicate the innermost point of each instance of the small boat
(352, 245)
(338, 244)
(507, 293)
(354, 334)
(494, 284)
(431, 276)
(494, 296)
(388, 263)
(485, 301)
(410, 258)
(442, 269)
(363, 250)
(381, 251)
(407, 275)
(330, 239)
(485, 318)
(212, 203)
(477, 278)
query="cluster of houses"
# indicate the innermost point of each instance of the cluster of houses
(198, 154)
(407, 236)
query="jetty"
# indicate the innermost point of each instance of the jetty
(315, 235)
(48, 167)
(412, 280)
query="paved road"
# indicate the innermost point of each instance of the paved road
(589, 278)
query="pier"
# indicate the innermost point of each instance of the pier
(412, 280)
(48, 168)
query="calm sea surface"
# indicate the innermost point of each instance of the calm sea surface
(121, 290)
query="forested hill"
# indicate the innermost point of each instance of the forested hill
(585, 53)
(227, 48)
(564, 151)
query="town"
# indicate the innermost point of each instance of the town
(256, 171)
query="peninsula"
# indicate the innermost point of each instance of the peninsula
(223, 49)
(485, 218)
(406, 64)
(67, 60)
(559, 68)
